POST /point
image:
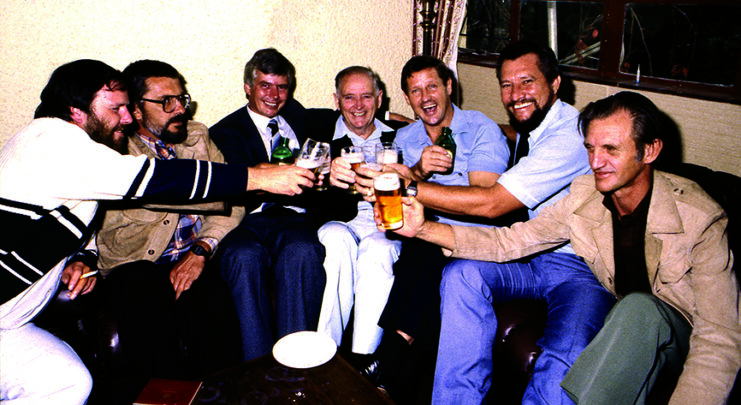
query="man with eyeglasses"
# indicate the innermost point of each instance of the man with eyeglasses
(162, 252)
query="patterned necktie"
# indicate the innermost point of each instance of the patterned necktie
(188, 224)
(273, 127)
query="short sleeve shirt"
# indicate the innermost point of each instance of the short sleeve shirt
(480, 146)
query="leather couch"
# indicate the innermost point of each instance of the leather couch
(522, 322)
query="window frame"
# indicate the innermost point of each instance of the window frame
(608, 72)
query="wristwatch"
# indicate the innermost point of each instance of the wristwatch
(412, 189)
(199, 250)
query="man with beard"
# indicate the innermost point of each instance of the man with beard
(53, 174)
(411, 318)
(168, 246)
(577, 303)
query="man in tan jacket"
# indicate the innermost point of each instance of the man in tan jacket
(654, 240)
(159, 280)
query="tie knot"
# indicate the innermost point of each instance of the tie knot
(273, 127)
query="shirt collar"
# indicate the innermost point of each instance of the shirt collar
(153, 143)
(261, 122)
(341, 130)
(554, 112)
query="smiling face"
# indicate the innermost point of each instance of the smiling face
(613, 157)
(107, 118)
(526, 93)
(358, 102)
(429, 97)
(153, 121)
(268, 93)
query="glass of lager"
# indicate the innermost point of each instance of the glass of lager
(387, 152)
(313, 154)
(354, 156)
(388, 197)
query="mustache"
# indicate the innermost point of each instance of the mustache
(176, 119)
(523, 100)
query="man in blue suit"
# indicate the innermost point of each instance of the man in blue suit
(275, 251)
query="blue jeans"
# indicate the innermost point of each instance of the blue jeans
(577, 306)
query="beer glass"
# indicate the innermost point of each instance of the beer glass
(324, 169)
(312, 156)
(354, 156)
(387, 152)
(388, 197)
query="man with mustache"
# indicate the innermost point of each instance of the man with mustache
(656, 241)
(53, 175)
(168, 246)
(549, 156)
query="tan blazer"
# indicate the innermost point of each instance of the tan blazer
(687, 258)
(129, 235)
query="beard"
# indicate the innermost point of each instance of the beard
(165, 135)
(99, 132)
(536, 118)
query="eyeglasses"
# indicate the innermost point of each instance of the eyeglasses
(168, 102)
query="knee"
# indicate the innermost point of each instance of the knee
(642, 307)
(460, 271)
(335, 232)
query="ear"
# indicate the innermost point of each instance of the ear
(336, 101)
(247, 90)
(652, 150)
(407, 99)
(137, 112)
(78, 116)
(379, 99)
(449, 86)
(556, 84)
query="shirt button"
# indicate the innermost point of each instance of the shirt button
(150, 251)
(166, 222)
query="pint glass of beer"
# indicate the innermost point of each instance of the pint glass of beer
(388, 197)
(354, 156)
(387, 152)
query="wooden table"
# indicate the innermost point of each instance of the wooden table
(265, 381)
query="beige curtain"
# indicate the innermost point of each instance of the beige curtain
(446, 20)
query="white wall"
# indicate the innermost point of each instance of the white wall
(207, 41)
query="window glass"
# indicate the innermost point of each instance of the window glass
(487, 26)
(696, 43)
(573, 29)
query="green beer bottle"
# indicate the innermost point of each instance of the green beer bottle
(282, 154)
(446, 141)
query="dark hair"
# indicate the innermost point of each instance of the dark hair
(547, 61)
(644, 113)
(75, 84)
(422, 62)
(138, 72)
(357, 70)
(269, 61)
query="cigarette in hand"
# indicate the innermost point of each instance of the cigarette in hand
(89, 274)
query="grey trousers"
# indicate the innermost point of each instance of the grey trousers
(641, 336)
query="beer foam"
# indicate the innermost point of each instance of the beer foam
(308, 163)
(355, 157)
(386, 182)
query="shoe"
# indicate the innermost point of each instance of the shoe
(372, 373)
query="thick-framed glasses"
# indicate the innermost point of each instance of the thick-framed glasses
(169, 103)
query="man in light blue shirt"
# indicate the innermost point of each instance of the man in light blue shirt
(550, 154)
(411, 318)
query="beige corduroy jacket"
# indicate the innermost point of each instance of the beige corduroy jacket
(133, 234)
